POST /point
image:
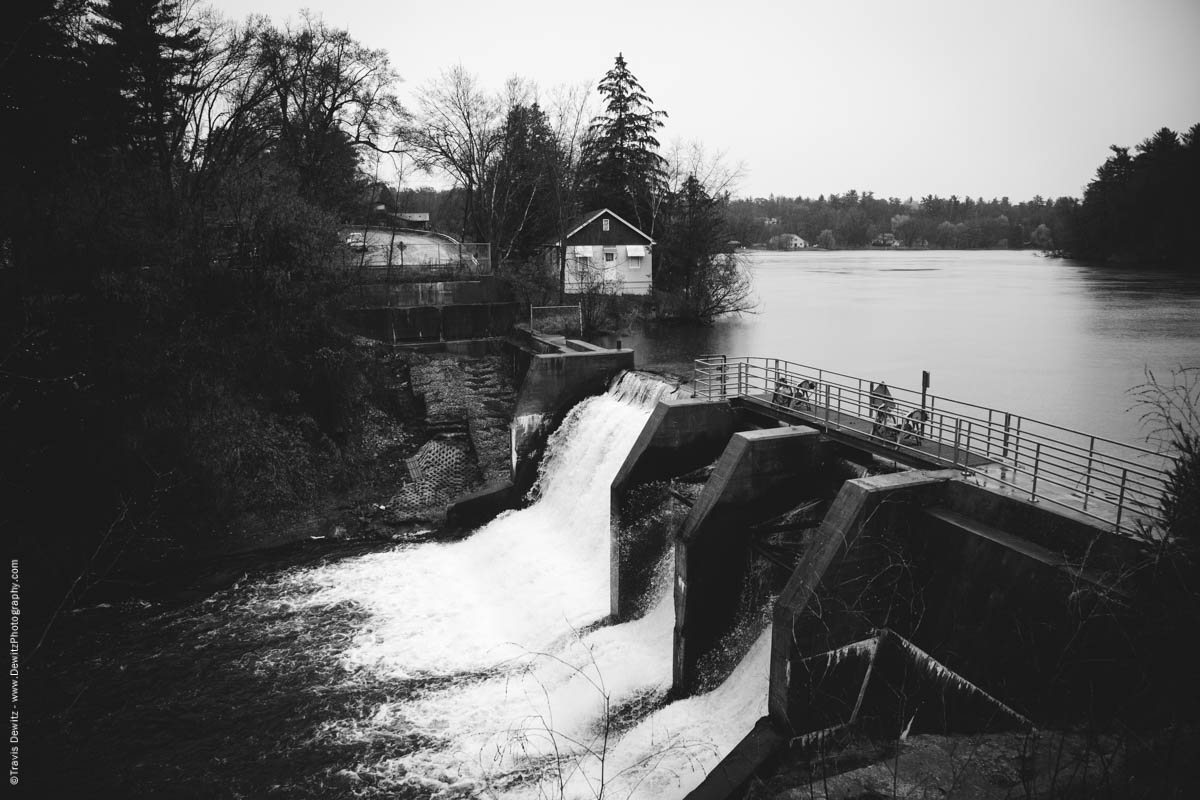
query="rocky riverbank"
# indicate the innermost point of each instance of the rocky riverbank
(424, 430)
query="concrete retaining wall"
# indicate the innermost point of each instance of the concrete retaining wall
(482, 291)
(1023, 622)
(432, 323)
(1053, 527)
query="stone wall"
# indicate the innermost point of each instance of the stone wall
(432, 323)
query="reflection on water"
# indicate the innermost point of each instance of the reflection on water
(1046, 338)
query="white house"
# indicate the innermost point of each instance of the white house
(788, 241)
(602, 247)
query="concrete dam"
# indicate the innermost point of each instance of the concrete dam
(922, 563)
(704, 581)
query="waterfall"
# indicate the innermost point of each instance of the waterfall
(533, 697)
(519, 584)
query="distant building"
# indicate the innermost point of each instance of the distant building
(603, 248)
(787, 241)
(413, 219)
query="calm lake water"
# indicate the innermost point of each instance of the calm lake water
(1049, 339)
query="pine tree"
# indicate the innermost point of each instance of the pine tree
(518, 192)
(621, 167)
(142, 61)
(42, 80)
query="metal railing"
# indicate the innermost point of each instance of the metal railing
(1111, 482)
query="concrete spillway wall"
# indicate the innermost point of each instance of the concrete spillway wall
(801, 699)
(919, 553)
(553, 383)
(759, 473)
(681, 435)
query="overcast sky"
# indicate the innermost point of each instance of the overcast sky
(900, 98)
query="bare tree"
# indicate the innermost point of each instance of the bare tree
(222, 108)
(457, 130)
(516, 161)
(691, 158)
(331, 97)
(572, 109)
(700, 275)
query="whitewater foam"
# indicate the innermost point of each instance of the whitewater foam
(520, 584)
(508, 615)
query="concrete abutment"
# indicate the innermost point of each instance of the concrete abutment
(759, 473)
(553, 383)
(681, 435)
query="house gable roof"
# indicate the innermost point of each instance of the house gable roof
(583, 220)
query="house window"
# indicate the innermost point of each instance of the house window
(610, 256)
(604, 224)
(635, 262)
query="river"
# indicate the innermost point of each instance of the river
(483, 668)
(477, 668)
(1049, 339)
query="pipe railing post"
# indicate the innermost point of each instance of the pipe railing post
(827, 388)
(1037, 461)
(1004, 447)
(1017, 447)
(957, 434)
(1121, 498)
(1087, 476)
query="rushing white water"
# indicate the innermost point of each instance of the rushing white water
(539, 703)
(668, 753)
(521, 583)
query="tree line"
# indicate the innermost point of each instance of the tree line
(1138, 209)
(855, 219)
(1143, 207)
